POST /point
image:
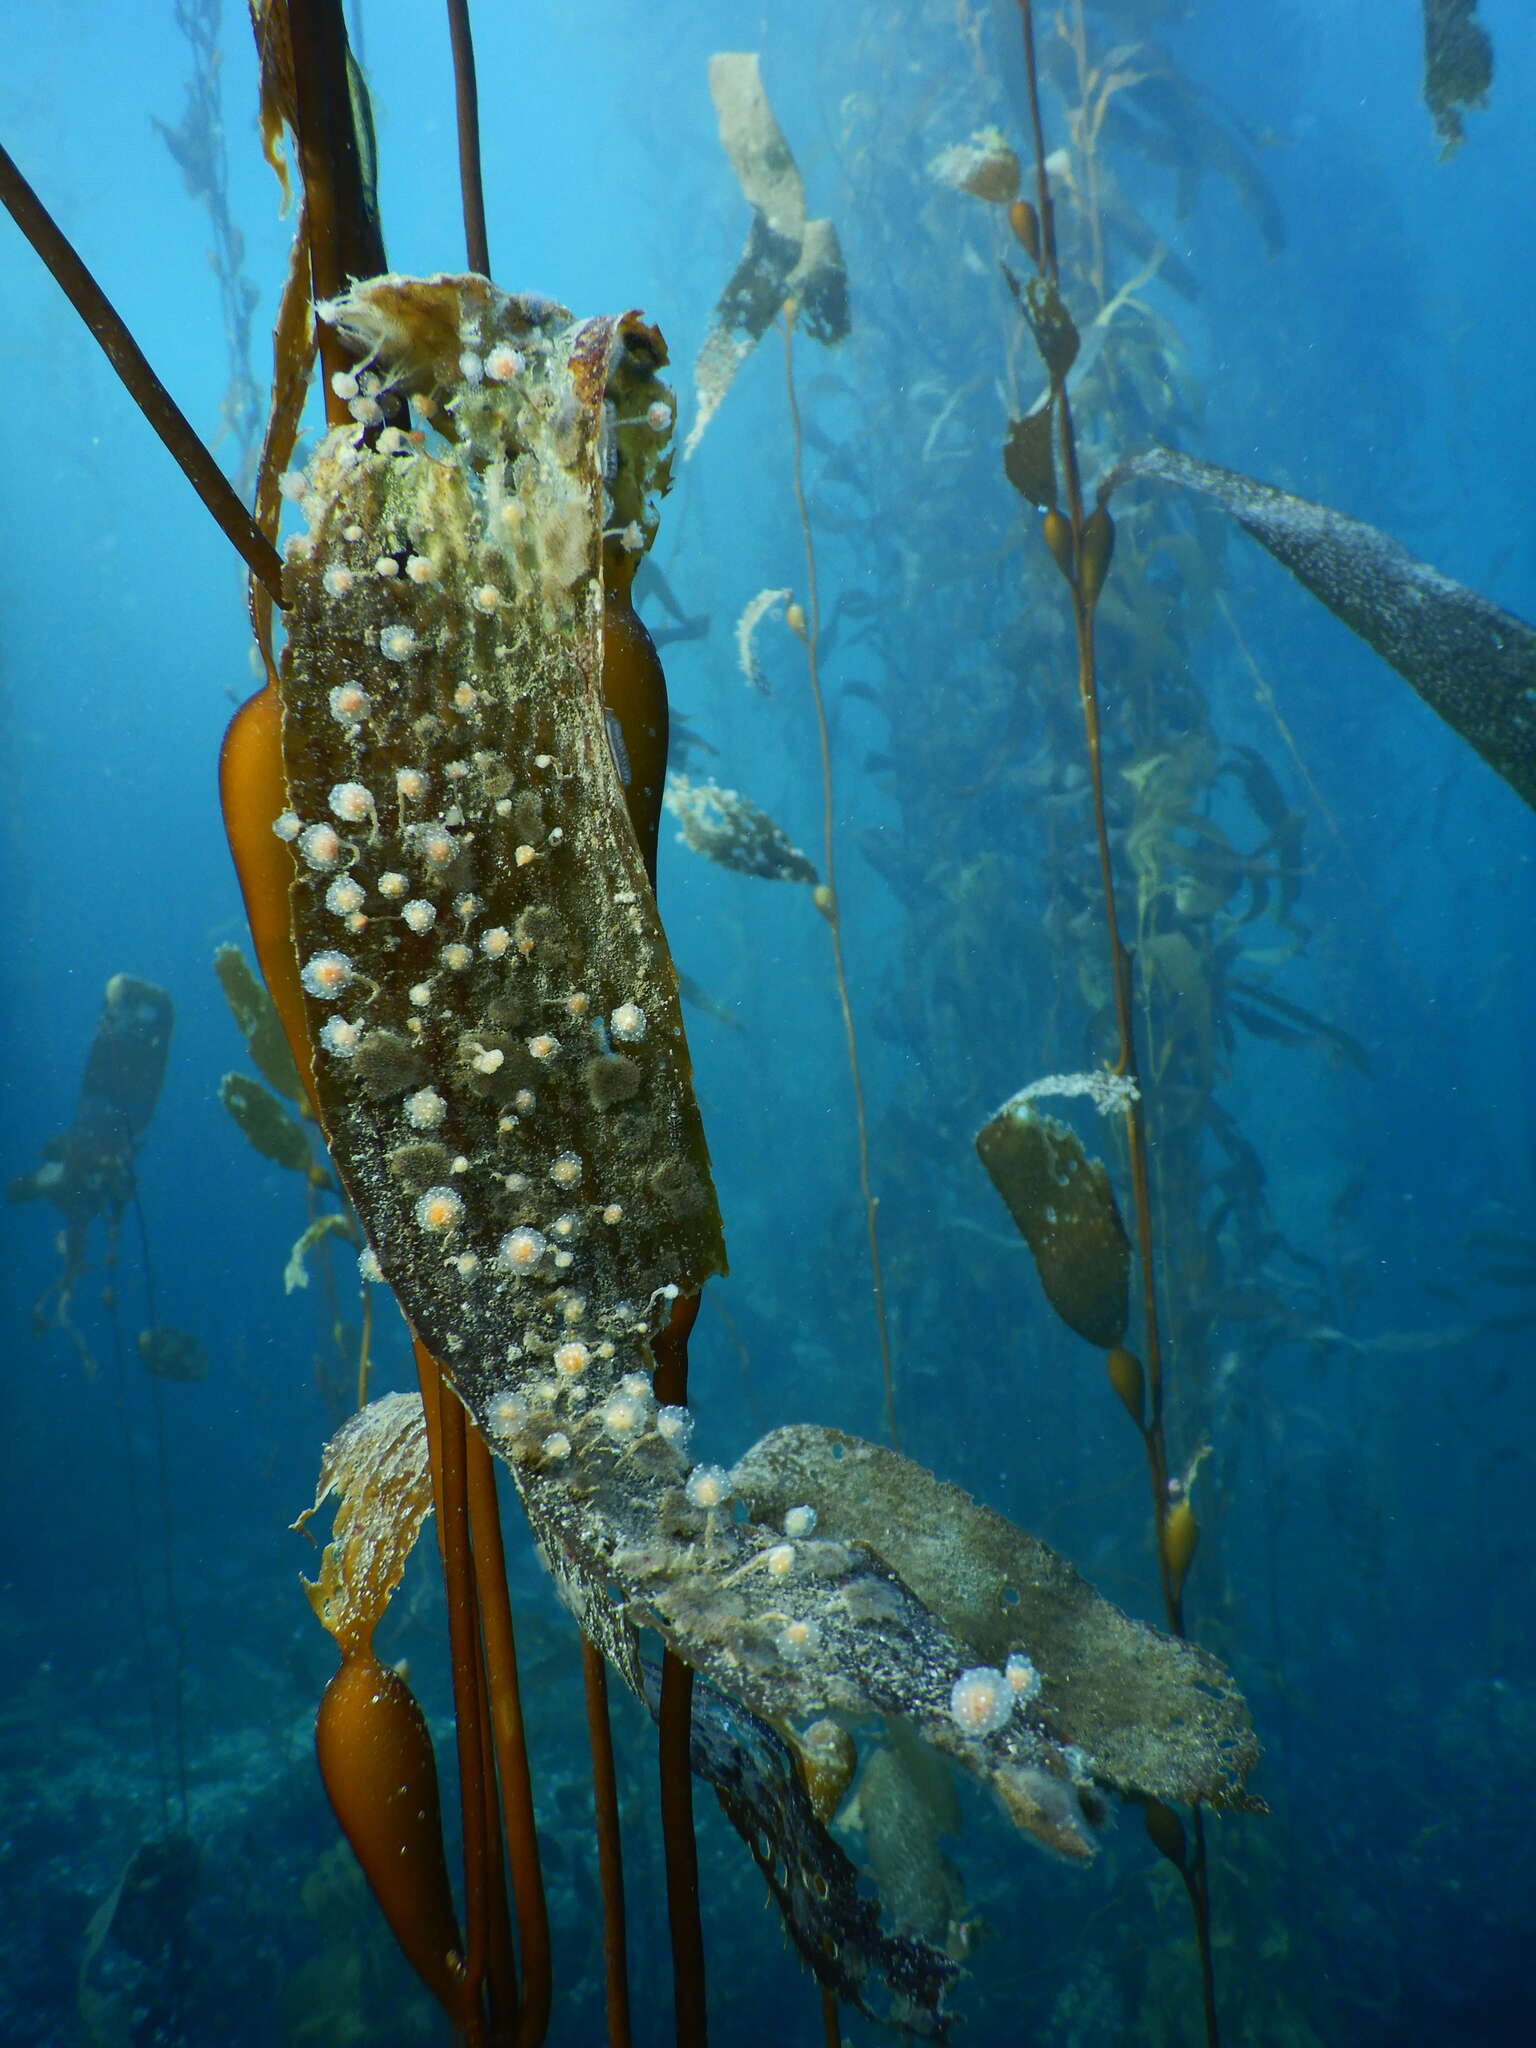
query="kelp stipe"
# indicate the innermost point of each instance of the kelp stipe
(791, 274)
(1082, 1253)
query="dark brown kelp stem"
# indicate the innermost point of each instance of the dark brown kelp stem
(675, 1717)
(610, 1859)
(809, 631)
(1084, 561)
(509, 1739)
(345, 241)
(482, 1839)
(139, 380)
(467, 107)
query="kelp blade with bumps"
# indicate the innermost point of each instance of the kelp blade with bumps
(500, 1062)
(1472, 662)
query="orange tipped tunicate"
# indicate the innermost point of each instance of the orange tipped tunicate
(1180, 1534)
(1057, 529)
(1025, 222)
(1129, 1382)
(1166, 1831)
(1098, 551)
(376, 1761)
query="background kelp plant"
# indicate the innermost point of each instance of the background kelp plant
(444, 806)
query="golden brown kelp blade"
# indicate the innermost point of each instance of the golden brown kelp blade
(260, 1026)
(1472, 662)
(787, 256)
(1066, 1211)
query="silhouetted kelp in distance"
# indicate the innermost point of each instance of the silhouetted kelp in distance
(1458, 67)
(436, 582)
(88, 1173)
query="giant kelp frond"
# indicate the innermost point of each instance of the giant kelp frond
(1472, 662)
(1147, 1713)
(787, 257)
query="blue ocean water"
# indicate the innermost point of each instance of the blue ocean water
(1325, 892)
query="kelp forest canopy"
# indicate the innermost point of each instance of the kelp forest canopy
(871, 470)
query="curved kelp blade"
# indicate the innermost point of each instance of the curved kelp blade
(1470, 661)
(498, 1046)
(786, 257)
(260, 1026)
(267, 1127)
(377, 1465)
(1147, 1713)
(1065, 1208)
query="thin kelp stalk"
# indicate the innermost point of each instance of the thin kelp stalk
(807, 626)
(675, 1726)
(143, 386)
(467, 109)
(610, 1862)
(509, 1741)
(487, 1936)
(1082, 545)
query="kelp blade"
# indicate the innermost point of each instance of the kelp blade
(1471, 661)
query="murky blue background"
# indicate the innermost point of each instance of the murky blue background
(1365, 1564)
